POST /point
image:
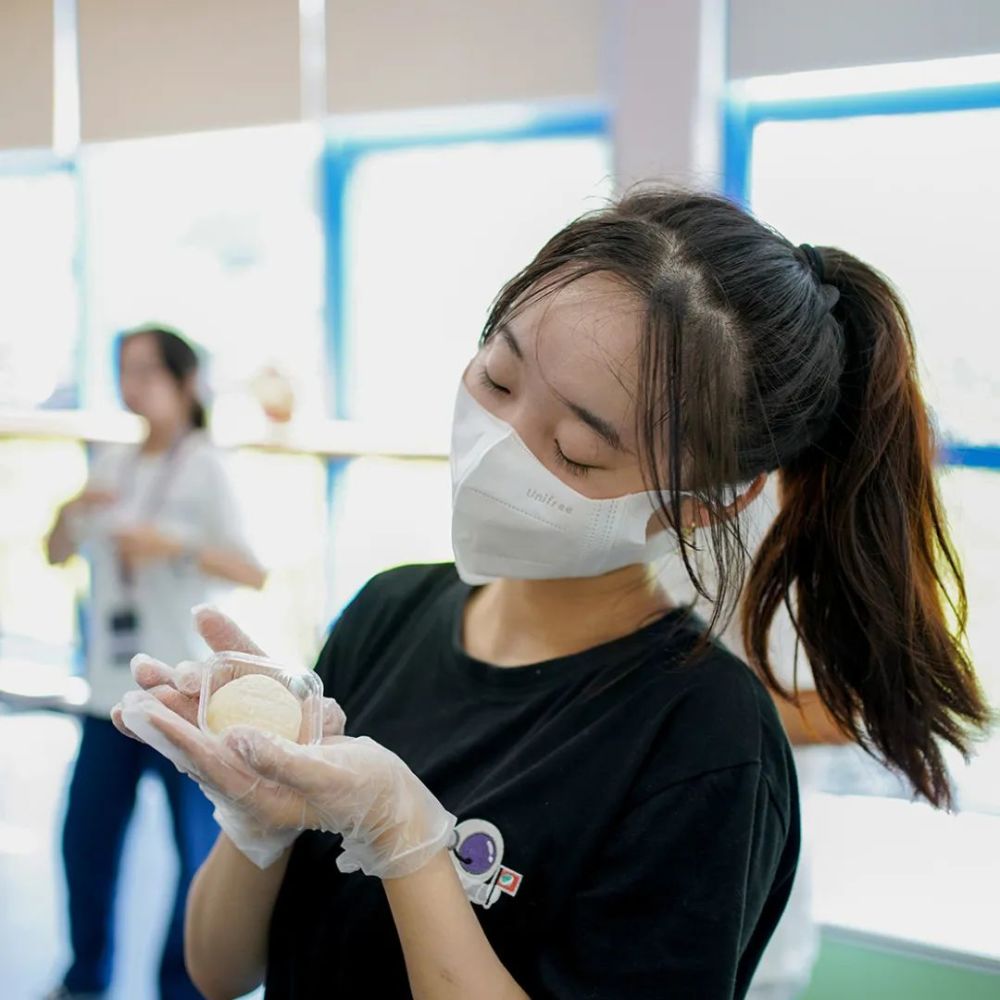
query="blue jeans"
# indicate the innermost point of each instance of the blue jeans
(101, 800)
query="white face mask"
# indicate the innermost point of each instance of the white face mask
(513, 518)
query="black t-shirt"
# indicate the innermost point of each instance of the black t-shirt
(628, 816)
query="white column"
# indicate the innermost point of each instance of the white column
(666, 70)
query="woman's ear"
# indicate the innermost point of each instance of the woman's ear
(702, 516)
(750, 494)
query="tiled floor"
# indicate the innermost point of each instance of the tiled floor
(36, 752)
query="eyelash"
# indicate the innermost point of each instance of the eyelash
(485, 380)
(574, 468)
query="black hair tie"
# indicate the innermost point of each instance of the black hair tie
(815, 259)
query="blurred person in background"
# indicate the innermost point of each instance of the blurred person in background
(159, 525)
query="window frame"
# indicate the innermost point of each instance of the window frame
(743, 113)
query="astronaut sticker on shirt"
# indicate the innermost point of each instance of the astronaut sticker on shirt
(477, 853)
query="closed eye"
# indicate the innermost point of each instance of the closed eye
(488, 383)
(574, 468)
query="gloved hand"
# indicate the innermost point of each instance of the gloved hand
(267, 789)
(165, 715)
(390, 822)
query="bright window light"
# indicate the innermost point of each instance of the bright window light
(219, 235)
(39, 312)
(432, 232)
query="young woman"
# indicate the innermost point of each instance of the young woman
(552, 783)
(158, 524)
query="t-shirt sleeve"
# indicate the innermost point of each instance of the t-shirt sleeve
(682, 900)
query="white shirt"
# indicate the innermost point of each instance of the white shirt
(196, 504)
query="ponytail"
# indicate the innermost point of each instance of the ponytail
(199, 419)
(860, 554)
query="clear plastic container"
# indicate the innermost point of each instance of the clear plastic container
(304, 684)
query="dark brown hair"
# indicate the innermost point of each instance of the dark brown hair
(757, 358)
(177, 356)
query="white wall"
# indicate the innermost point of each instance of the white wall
(781, 36)
(392, 54)
(151, 67)
(26, 73)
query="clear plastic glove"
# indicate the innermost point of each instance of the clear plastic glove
(260, 821)
(267, 789)
(390, 822)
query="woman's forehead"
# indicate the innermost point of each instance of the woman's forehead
(585, 337)
(141, 345)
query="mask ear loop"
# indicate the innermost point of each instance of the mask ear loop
(688, 532)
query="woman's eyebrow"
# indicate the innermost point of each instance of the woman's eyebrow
(604, 430)
(511, 341)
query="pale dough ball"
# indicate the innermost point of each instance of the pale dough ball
(255, 700)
